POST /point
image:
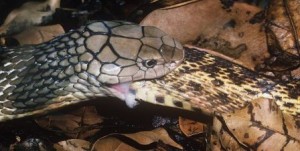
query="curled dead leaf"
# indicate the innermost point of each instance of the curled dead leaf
(72, 145)
(36, 35)
(28, 15)
(259, 126)
(190, 127)
(81, 123)
(282, 30)
(141, 139)
(283, 21)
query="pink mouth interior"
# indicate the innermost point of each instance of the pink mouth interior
(124, 93)
(123, 88)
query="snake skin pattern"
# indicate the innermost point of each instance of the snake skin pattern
(81, 65)
(211, 84)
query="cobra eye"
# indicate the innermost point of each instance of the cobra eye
(149, 63)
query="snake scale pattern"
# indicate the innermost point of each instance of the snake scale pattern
(100, 59)
(83, 64)
(212, 84)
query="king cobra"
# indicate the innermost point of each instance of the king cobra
(97, 60)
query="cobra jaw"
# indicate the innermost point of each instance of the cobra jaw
(122, 91)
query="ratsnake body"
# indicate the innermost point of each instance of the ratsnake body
(214, 85)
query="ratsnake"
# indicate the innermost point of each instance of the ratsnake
(100, 59)
(211, 84)
(96, 60)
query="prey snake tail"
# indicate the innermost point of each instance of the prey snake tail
(211, 84)
(83, 64)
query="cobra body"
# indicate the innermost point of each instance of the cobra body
(83, 64)
(212, 84)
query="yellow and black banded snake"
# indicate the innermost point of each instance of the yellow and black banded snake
(211, 84)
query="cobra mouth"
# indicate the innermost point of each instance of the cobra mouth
(123, 92)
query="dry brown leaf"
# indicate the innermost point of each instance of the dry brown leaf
(214, 23)
(110, 143)
(190, 127)
(81, 123)
(283, 31)
(282, 18)
(36, 35)
(259, 126)
(72, 145)
(28, 15)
